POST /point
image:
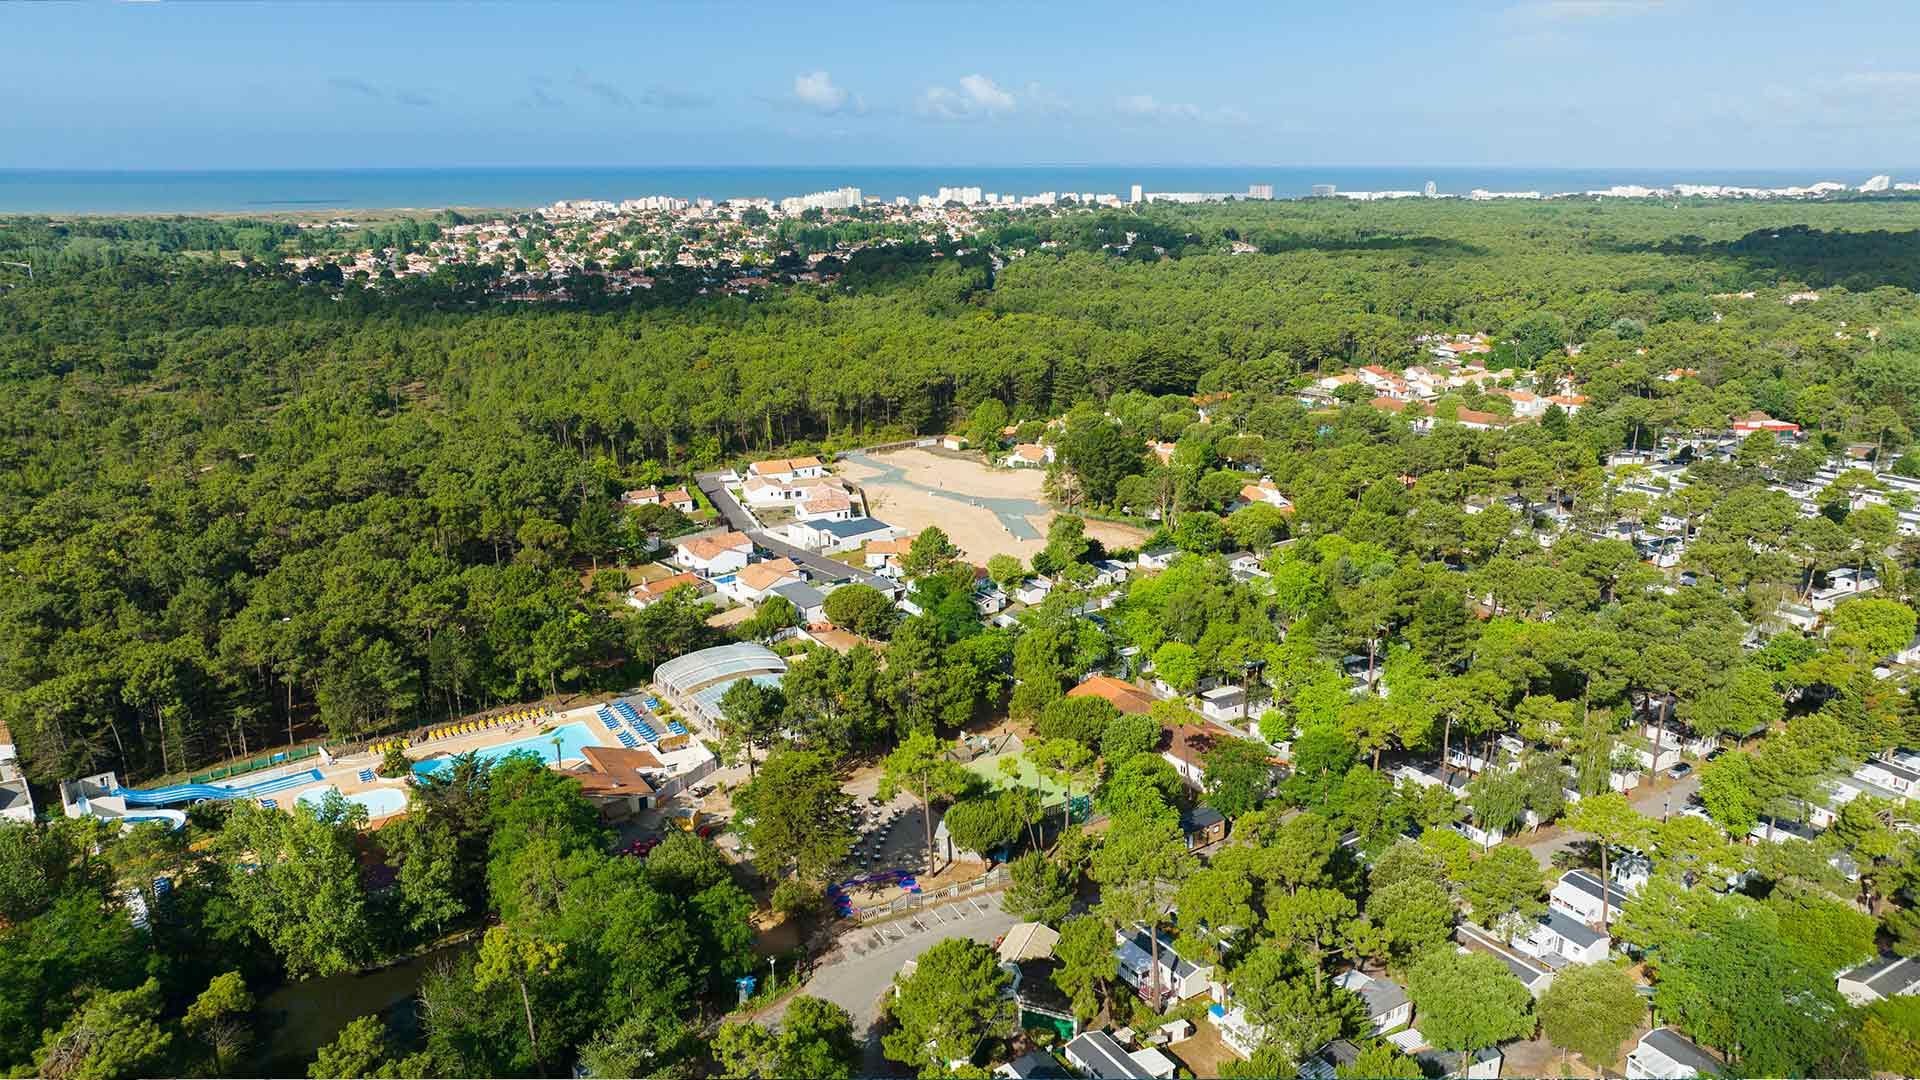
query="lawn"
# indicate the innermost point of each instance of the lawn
(1027, 776)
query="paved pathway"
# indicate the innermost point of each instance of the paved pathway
(868, 958)
(737, 517)
(1013, 512)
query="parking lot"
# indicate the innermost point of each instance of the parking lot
(939, 921)
(861, 966)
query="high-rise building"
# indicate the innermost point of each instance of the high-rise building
(1323, 191)
(1432, 189)
(1135, 195)
(1259, 191)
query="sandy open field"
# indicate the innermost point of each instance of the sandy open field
(913, 499)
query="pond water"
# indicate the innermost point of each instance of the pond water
(311, 1014)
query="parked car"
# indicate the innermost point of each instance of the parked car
(1680, 771)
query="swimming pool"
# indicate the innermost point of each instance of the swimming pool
(572, 737)
(379, 802)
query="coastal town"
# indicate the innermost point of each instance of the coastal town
(742, 246)
(1306, 542)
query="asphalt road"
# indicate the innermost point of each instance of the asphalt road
(868, 959)
(737, 517)
(1666, 798)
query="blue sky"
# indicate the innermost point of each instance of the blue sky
(1573, 83)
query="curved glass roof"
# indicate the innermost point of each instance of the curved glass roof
(697, 670)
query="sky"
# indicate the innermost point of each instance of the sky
(1541, 83)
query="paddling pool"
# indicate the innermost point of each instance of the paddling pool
(380, 802)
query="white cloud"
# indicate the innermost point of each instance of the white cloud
(815, 90)
(977, 96)
(982, 92)
(1148, 107)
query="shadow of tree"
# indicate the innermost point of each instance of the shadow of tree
(1857, 261)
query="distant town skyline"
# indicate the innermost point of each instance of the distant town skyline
(1556, 83)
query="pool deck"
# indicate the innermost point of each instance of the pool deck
(344, 773)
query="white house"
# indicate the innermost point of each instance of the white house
(1388, 1006)
(883, 556)
(1888, 775)
(678, 498)
(1482, 1064)
(1841, 585)
(1033, 590)
(1559, 939)
(1157, 558)
(1225, 703)
(752, 582)
(1798, 616)
(16, 800)
(760, 491)
(834, 536)
(787, 470)
(1579, 893)
(1533, 974)
(1688, 741)
(1665, 1054)
(1482, 838)
(1235, 1030)
(1880, 978)
(1175, 979)
(715, 555)
(1772, 830)
(824, 504)
(1910, 654)
(1095, 1054)
(810, 602)
(1263, 492)
(1667, 758)
(642, 596)
(1029, 456)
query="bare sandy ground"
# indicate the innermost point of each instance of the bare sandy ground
(974, 530)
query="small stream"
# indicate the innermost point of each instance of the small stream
(306, 1016)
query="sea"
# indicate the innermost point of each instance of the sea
(59, 191)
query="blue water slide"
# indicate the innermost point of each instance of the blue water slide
(179, 793)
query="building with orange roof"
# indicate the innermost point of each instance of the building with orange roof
(1122, 695)
(714, 555)
(616, 779)
(646, 595)
(787, 470)
(753, 582)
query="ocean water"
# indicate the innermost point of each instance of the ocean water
(59, 191)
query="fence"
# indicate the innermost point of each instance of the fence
(267, 762)
(874, 913)
(881, 448)
(674, 785)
